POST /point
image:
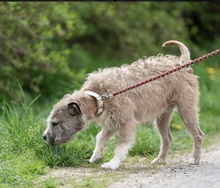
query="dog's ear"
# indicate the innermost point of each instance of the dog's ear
(73, 108)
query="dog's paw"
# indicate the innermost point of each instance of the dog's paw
(193, 161)
(111, 165)
(158, 161)
(95, 158)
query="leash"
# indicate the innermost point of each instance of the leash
(104, 97)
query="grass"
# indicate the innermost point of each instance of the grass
(24, 156)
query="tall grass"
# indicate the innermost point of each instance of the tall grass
(24, 155)
(18, 139)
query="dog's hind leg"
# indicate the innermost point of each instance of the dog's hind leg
(102, 139)
(189, 115)
(163, 126)
(126, 139)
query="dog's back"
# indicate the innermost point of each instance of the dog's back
(111, 79)
(149, 99)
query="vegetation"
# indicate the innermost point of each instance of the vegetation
(44, 44)
(46, 51)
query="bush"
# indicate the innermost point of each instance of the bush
(48, 48)
(35, 50)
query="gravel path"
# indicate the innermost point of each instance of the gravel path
(178, 174)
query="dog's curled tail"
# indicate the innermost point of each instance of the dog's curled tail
(185, 55)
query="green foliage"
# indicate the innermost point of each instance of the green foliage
(48, 47)
(20, 170)
(35, 49)
(129, 30)
(18, 140)
(147, 142)
(74, 153)
(23, 153)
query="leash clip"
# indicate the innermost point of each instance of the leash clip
(105, 97)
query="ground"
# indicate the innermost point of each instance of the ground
(180, 174)
(137, 172)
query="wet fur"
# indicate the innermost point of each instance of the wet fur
(154, 101)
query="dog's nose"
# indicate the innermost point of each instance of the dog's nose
(44, 137)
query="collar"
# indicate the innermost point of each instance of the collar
(100, 102)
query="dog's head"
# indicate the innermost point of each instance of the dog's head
(67, 117)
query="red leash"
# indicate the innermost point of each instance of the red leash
(162, 74)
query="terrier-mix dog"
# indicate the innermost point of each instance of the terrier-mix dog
(123, 113)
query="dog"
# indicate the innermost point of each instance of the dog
(152, 102)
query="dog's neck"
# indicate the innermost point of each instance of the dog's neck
(99, 101)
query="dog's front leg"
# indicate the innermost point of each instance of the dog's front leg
(126, 139)
(102, 139)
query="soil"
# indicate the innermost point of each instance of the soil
(139, 173)
(179, 174)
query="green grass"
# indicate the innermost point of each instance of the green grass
(24, 155)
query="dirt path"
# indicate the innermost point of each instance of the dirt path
(139, 173)
(179, 174)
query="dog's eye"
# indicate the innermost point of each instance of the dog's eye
(54, 123)
(72, 111)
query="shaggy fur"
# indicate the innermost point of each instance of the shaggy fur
(123, 113)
